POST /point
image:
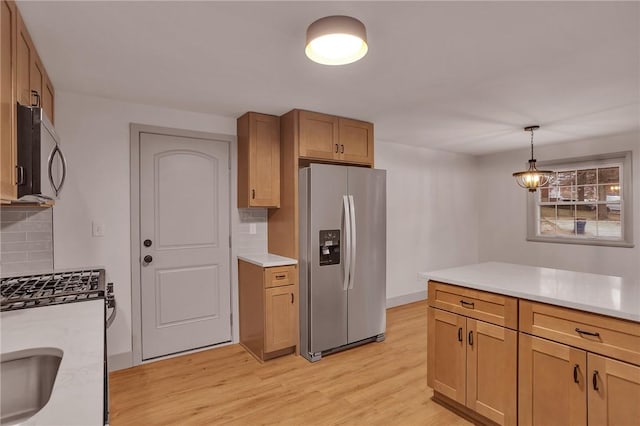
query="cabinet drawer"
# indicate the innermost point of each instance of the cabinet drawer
(489, 307)
(279, 276)
(600, 334)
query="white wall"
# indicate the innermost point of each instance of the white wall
(432, 216)
(95, 138)
(503, 212)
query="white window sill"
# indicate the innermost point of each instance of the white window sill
(581, 241)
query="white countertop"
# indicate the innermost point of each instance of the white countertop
(267, 260)
(602, 294)
(77, 330)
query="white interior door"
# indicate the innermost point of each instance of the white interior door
(184, 215)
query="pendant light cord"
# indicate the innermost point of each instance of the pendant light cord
(532, 144)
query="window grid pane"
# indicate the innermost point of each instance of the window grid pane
(583, 203)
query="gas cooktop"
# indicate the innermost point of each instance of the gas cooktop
(51, 289)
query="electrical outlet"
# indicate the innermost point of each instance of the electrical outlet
(97, 229)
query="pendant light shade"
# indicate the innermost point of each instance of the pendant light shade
(336, 40)
(532, 178)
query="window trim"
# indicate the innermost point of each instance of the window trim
(625, 159)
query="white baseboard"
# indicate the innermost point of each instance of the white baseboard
(120, 361)
(406, 298)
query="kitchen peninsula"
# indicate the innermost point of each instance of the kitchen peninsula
(512, 343)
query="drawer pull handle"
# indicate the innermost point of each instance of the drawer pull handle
(588, 333)
(337, 146)
(280, 277)
(465, 303)
(576, 367)
(595, 380)
(470, 338)
(460, 334)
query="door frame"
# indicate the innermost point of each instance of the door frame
(135, 129)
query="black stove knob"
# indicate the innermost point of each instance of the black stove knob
(147, 243)
(148, 259)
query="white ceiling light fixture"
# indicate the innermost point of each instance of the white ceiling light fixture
(533, 178)
(336, 40)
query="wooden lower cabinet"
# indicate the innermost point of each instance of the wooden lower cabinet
(562, 385)
(473, 363)
(552, 383)
(614, 392)
(268, 301)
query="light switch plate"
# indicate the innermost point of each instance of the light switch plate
(97, 229)
(252, 228)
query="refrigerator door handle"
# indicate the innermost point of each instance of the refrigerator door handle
(352, 256)
(347, 237)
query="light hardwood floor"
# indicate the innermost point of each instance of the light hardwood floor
(375, 384)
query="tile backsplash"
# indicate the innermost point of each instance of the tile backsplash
(26, 240)
(251, 220)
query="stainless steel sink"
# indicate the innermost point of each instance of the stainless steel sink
(27, 381)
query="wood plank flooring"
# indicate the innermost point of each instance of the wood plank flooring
(375, 384)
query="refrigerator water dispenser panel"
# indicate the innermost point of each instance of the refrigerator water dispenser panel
(329, 247)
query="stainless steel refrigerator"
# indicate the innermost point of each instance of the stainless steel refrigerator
(342, 257)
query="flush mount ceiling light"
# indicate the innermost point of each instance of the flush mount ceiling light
(533, 178)
(336, 40)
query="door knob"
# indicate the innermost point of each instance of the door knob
(148, 259)
(147, 243)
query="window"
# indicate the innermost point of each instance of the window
(587, 202)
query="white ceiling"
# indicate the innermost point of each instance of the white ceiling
(458, 76)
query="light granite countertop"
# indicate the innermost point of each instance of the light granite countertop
(77, 330)
(267, 260)
(602, 294)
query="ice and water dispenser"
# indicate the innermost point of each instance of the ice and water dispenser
(329, 247)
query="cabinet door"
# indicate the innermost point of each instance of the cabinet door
(318, 136)
(446, 353)
(25, 56)
(492, 354)
(552, 383)
(264, 161)
(356, 141)
(258, 160)
(280, 317)
(8, 20)
(614, 392)
(48, 96)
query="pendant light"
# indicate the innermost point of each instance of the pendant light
(336, 40)
(533, 178)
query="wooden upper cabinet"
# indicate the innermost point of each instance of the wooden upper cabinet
(356, 141)
(258, 160)
(31, 74)
(8, 152)
(21, 71)
(47, 97)
(25, 58)
(335, 139)
(318, 135)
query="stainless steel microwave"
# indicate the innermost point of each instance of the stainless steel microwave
(41, 168)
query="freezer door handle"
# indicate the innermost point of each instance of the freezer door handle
(352, 265)
(347, 248)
